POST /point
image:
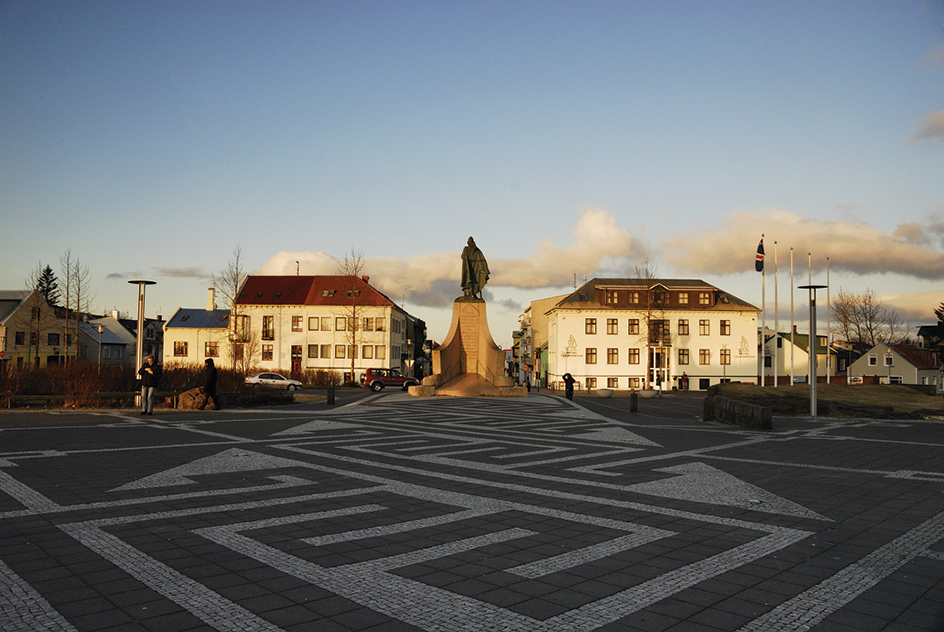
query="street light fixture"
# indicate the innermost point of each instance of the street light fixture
(101, 328)
(812, 345)
(139, 346)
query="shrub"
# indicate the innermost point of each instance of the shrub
(321, 377)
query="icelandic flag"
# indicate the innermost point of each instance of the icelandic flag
(759, 259)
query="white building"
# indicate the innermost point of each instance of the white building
(784, 350)
(897, 364)
(293, 323)
(638, 333)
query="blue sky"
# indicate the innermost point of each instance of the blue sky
(569, 138)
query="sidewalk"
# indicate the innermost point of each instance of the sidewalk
(532, 514)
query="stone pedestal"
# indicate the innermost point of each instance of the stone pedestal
(468, 362)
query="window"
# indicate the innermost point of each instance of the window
(340, 324)
(52, 340)
(659, 332)
(612, 382)
(634, 298)
(327, 293)
(268, 328)
(889, 360)
(660, 297)
(704, 298)
(19, 338)
(339, 351)
(242, 328)
(353, 293)
(683, 356)
(611, 297)
(297, 323)
(380, 324)
(313, 322)
(634, 382)
(325, 323)
(368, 324)
(873, 360)
(683, 327)
(590, 326)
(704, 327)
(634, 356)
(180, 349)
(106, 350)
(380, 352)
(704, 356)
(582, 297)
(83, 352)
(313, 351)
(591, 382)
(212, 350)
(325, 351)
(633, 327)
(725, 327)
(612, 356)
(725, 356)
(352, 351)
(612, 328)
(267, 352)
(367, 352)
(683, 298)
(591, 356)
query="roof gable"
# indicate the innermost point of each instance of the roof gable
(333, 290)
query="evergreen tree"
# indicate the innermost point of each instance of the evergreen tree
(939, 312)
(48, 286)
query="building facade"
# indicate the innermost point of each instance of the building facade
(625, 333)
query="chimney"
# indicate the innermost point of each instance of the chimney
(211, 299)
(366, 278)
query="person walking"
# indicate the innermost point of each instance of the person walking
(569, 386)
(209, 386)
(150, 377)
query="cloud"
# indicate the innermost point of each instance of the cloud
(934, 57)
(432, 280)
(931, 127)
(115, 275)
(916, 307)
(852, 247)
(182, 273)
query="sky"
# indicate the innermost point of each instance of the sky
(570, 139)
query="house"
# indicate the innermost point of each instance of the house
(532, 340)
(191, 335)
(897, 364)
(630, 333)
(783, 350)
(30, 333)
(294, 323)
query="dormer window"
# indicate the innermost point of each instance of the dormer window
(184, 318)
(276, 295)
(582, 297)
(327, 293)
(258, 295)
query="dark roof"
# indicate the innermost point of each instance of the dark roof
(310, 290)
(802, 341)
(726, 302)
(188, 318)
(10, 300)
(920, 358)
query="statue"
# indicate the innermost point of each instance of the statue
(474, 270)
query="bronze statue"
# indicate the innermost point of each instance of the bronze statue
(474, 270)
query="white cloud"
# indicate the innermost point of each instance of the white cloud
(433, 280)
(934, 57)
(852, 247)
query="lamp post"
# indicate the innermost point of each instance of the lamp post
(101, 328)
(139, 346)
(812, 345)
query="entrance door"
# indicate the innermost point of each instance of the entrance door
(296, 360)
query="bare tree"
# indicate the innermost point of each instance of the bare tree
(351, 267)
(76, 298)
(655, 329)
(229, 282)
(864, 318)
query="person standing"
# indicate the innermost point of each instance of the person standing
(209, 386)
(150, 377)
(569, 386)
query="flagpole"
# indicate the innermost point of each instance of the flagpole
(792, 325)
(776, 316)
(763, 331)
(829, 346)
(811, 346)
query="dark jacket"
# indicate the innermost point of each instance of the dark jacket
(210, 386)
(150, 374)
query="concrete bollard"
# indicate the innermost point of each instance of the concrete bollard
(633, 402)
(330, 401)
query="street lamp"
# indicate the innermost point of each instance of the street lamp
(812, 345)
(139, 347)
(101, 328)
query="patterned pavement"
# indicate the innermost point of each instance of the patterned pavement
(447, 515)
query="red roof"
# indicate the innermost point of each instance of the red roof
(920, 358)
(309, 290)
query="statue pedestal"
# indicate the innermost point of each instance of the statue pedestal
(468, 363)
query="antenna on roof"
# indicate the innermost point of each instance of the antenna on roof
(296, 268)
(575, 280)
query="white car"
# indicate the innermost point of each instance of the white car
(273, 380)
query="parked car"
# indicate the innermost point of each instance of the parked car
(273, 380)
(377, 379)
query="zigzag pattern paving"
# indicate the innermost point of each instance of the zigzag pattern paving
(466, 515)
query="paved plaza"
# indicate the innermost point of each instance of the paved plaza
(534, 514)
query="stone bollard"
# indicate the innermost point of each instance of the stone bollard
(330, 401)
(633, 402)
